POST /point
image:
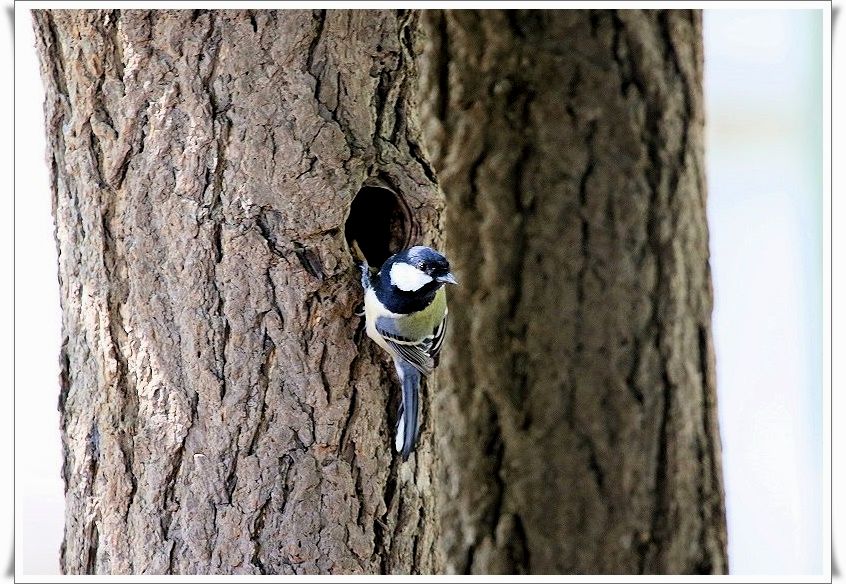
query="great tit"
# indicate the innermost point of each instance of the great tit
(405, 309)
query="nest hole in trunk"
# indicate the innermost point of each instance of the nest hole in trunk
(379, 223)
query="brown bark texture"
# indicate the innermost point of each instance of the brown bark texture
(220, 410)
(579, 433)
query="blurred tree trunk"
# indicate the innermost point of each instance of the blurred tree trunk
(220, 411)
(579, 434)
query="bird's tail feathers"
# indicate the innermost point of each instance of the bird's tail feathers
(408, 426)
(359, 258)
(355, 251)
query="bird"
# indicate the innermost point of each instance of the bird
(405, 309)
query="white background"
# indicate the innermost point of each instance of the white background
(764, 211)
(763, 91)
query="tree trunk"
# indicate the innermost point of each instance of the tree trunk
(580, 433)
(220, 410)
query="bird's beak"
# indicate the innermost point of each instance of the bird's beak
(447, 279)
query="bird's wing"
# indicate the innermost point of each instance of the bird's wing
(420, 353)
(438, 339)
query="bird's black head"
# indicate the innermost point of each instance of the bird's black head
(417, 267)
(428, 261)
(409, 279)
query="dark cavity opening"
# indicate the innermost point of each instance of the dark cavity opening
(379, 223)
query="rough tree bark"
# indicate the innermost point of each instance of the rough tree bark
(580, 432)
(220, 410)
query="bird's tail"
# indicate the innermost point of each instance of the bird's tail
(407, 424)
(358, 256)
(365, 274)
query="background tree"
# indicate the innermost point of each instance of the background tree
(220, 409)
(579, 432)
(220, 412)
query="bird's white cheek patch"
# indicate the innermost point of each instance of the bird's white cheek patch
(408, 278)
